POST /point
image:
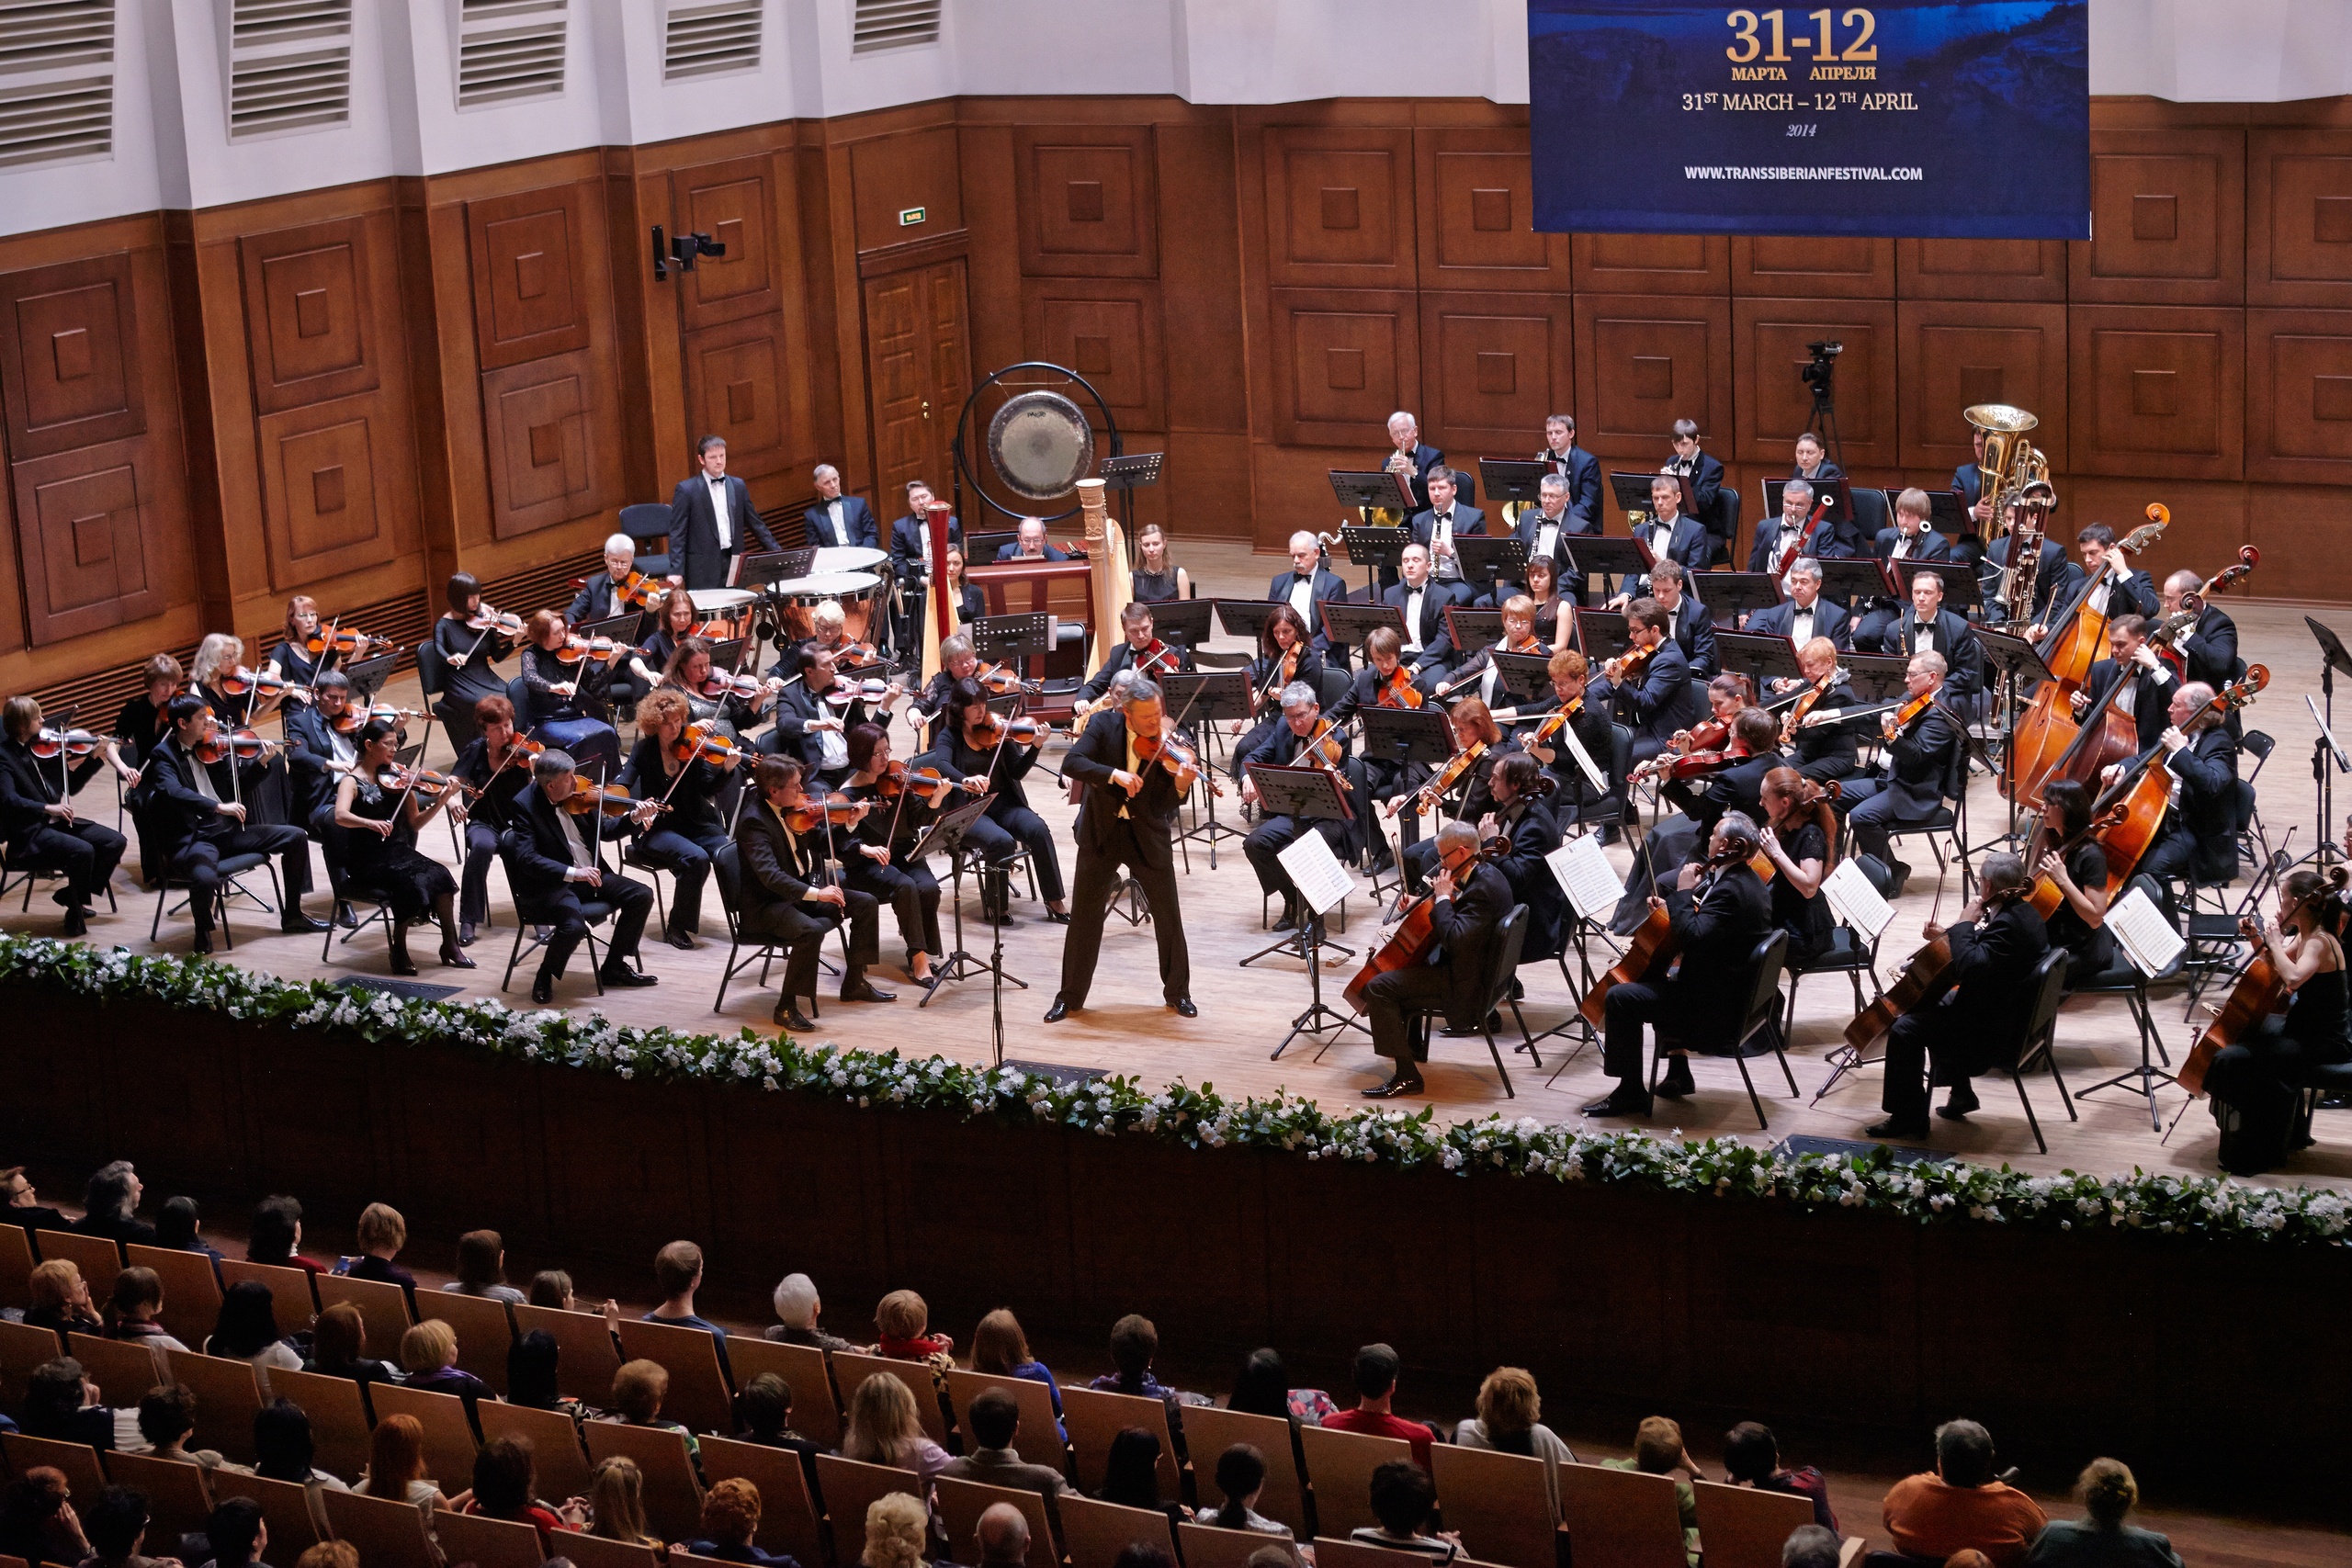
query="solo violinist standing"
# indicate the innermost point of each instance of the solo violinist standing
(37, 810)
(1978, 1019)
(1469, 899)
(379, 816)
(1136, 774)
(1301, 721)
(2256, 1080)
(1142, 653)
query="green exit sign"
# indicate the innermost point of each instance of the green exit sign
(910, 217)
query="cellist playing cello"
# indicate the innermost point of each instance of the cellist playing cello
(1471, 897)
(2255, 1079)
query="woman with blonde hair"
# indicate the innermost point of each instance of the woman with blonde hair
(60, 1299)
(217, 657)
(664, 766)
(617, 1502)
(396, 1466)
(429, 1360)
(2101, 1538)
(885, 1429)
(1510, 1421)
(896, 1529)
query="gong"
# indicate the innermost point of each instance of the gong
(1040, 445)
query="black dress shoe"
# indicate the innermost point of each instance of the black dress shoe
(1894, 1128)
(75, 924)
(465, 934)
(1184, 1008)
(455, 958)
(1678, 1083)
(1902, 875)
(1958, 1103)
(1395, 1087)
(543, 988)
(789, 1018)
(345, 916)
(296, 923)
(683, 939)
(1288, 919)
(65, 896)
(627, 979)
(403, 964)
(1053, 918)
(864, 991)
(1624, 1100)
(1058, 1012)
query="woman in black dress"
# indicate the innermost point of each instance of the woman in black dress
(1800, 841)
(877, 856)
(1156, 580)
(2254, 1082)
(972, 750)
(383, 862)
(1542, 591)
(2079, 923)
(673, 622)
(1283, 656)
(695, 829)
(689, 668)
(142, 724)
(569, 704)
(292, 657)
(470, 653)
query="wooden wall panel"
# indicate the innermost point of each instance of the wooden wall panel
(1820, 266)
(1772, 406)
(1651, 264)
(2157, 392)
(309, 314)
(69, 356)
(2298, 218)
(1340, 211)
(547, 466)
(1476, 196)
(736, 388)
(2167, 219)
(1088, 200)
(1107, 331)
(84, 556)
(1951, 353)
(323, 468)
(1642, 363)
(1497, 365)
(736, 202)
(1981, 270)
(2299, 397)
(530, 268)
(1343, 360)
(891, 175)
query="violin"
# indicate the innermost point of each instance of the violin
(1629, 663)
(353, 720)
(1553, 724)
(1397, 691)
(1157, 658)
(1455, 769)
(831, 810)
(1909, 714)
(1806, 702)
(927, 783)
(855, 656)
(606, 800)
(423, 782)
(873, 690)
(220, 742)
(706, 740)
(487, 619)
(74, 743)
(645, 593)
(522, 749)
(1710, 735)
(1179, 759)
(348, 643)
(995, 730)
(575, 649)
(1686, 765)
(751, 688)
(1002, 680)
(240, 680)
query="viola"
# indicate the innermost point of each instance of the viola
(220, 742)
(1002, 680)
(344, 641)
(831, 811)
(74, 743)
(1709, 735)
(353, 720)
(1455, 768)
(926, 783)
(522, 749)
(240, 680)
(707, 741)
(487, 619)
(423, 782)
(606, 800)
(1923, 978)
(1553, 724)
(855, 656)
(1911, 712)
(1397, 691)
(995, 730)
(575, 649)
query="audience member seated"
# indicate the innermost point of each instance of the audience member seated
(1752, 1456)
(1134, 1343)
(617, 1502)
(396, 1466)
(1002, 1537)
(117, 1528)
(764, 1407)
(884, 1429)
(1131, 1474)
(989, 1424)
(552, 1287)
(903, 1321)
(897, 1531)
(1402, 1496)
(167, 1419)
(329, 1555)
(62, 1403)
(178, 1227)
(1810, 1546)
(339, 1348)
(37, 1519)
(505, 1487)
(60, 1299)
(382, 1233)
(1000, 1350)
(1262, 1388)
(429, 1361)
(23, 1205)
(1241, 1476)
(1658, 1450)
(797, 1307)
(1376, 1367)
(276, 1237)
(284, 1449)
(2101, 1539)
(132, 1314)
(1960, 1505)
(531, 1364)
(677, 1269)
(110, 1203)
(730, 1517)
(234, 1534)
(246, 1330)
(1510, 1421)
(481, 1268)
(639, 1388)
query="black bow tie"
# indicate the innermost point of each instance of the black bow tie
(1298, 577)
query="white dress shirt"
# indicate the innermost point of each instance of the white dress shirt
(718, 511)
(834, 523)
(1302, 598)
(1413, 598)
(1801, 622)
(1441, 561)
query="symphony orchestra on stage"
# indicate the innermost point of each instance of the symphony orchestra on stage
(1444, 698)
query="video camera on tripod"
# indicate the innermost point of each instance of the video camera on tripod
(1818, 373)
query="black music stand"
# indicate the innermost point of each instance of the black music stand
(1471, 630)
(1313, 795)
(1349, 623)
(1632, 492)
(1962, 592)
(1508, 479)
(368, 675)
(1376, 549)
(1848, 579)
(2326, 754)
(946, 836)
(1483, 559)
(1184, 620)
(1946, 514)
(1245, 618)
(768, 568)
(2021, 670)
(1205, 699)
(1403, 736)
(1760, 656)
(1612, 557)
(1841, 503)
(998, 638)
(1603, 634)
(980, 549)
(1732, 596)
(1875, 677)
(1526, 677)
(621, 628)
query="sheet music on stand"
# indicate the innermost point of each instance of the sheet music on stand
(1854, 900)
(1583, 874)
(2343, 762)
(1567, 737)
(2148, 939)
(1321, 880)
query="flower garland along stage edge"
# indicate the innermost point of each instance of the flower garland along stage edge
(1945, 1192)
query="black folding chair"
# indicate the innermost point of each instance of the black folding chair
(2041, 1039)
(1509, 938)
(1763, 1011)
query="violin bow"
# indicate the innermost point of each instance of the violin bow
(417, 767)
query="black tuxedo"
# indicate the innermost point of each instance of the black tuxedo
(2211, 650)
(1924, 758)
(2151, 696)
(1468, 522)
(540, 867)
(1770, 539)
(1466, 927)
(1425, 457)
(1436, 638)
(1739, 787)
(1826, 752)
(695, 549)
(1655, 707)
(1690, 543)
(1706, 481)
(795, 708)
(309, 748)
(595, 601)
(1582, 470)
(86, 853)
(1123, 658)
(2054, 572)
(857, 523)
(1011, 550)
(1929, 545)
(1533, 834)
(906, 543)
(1977, 1022)
(1528, 530)
(1141, 841)
(1968, 481)
(2200, 832)
(777, 873)
(1962, 653)
(1694, 633)
(1280, 746)
(194, 837)
(1828, 470)
(1327, 585)
(2132, 593)
(1719, 924)
(1829, 620)
(1595, 730)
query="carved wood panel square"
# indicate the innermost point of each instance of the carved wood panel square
(69, 356)
(309, 314)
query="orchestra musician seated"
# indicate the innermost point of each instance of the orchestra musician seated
(1475, 735)
(1799, 836)
(1578, 470)
(1470, 901)
(1647, 688)
(1922, 744)
(1929, 627)
(37, 816)
(1804, 613)
(1706, 476)
(1542, 591)
(319, 754)
(813, 718)
(877, 854)
(1670, 536)
(1545, 530)
(837, 519)
(910, 535)
(1716, 914)
(2055, 572)
(2145, 695)
(380, 817)
(1521, 818)
(673, 620)
(1909, 536)
(219, 657)
(1738, 785)
(491, 766)
(689, 673)
(1029, 544)
(470, 651)
(790, 900)
(1977, 1021)
(1795, 521)
(980, 745)
(559, 862)
(200, 815)
(1727, 696)
(2256, 1080)
(142, 723)
(1578, 798)
(1142, 653)
(1155, 578)
(2199, 838)
(1820, 743)
(1687, 621)
(293, 659)
(1286, 747)
(969, 604)
(686, 774)
(567, 704)
(2210, 646)
(1283, 659)
(1446, 519)
(1306, 587)
(1384, 682)
(599, 598)
(2104, 583)
(2076, 864)
(958, 662)
(1427, 644)
(1481, 673)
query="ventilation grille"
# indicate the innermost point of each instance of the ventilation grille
(56, 81)
(703, 39)
(509, 49)
(290, 65)
(894, 24)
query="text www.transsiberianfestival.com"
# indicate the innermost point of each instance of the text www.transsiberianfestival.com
(1798, 172)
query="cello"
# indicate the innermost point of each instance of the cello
(1924, 976)
(2259, 991)
(1416, 933)
(1653, 944)
(2144, 792)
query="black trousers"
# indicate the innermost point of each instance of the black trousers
(686, 858)
(912, 893)
(197, 863)
(334, 842)
(473, 889)
(1006, 830)
(1274, 834)
(1930, 1044)
(86, 851)
(1389, 997)
(801, 930)
(1099, 872)
(1626, 1009)
(632, 903)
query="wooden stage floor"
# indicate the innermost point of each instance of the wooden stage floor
(1246, 1012)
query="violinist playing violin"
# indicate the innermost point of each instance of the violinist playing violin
(1142, 652)
(1137, 772)
(687, 772)
(1480, 669)
(2255, 1080)
(1978, 1021)
(567, 702)
(489, 766)
(1302, 720)
(1825, 748)
(982, 745)
(1922, 753)
(1577, 799)
(1800, 841)
(558, 865)
(957, 661)
(1470, 901)
(1717, 912)
(380, 814)
(712, 697)
(318, 756)
(1284, 658)
(292, 658)
(812, 727)
(1648, 688)
(792, 900)
(470, 642)
(1523, 819)
(37, 816)
(1476, 736)
(1384, 682)
(877, 855)
(601, 597)
(199, 814)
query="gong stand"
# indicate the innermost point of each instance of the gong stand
(1039, 446)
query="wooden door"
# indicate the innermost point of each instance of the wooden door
(919, 371)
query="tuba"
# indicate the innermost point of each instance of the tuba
(2015, 475)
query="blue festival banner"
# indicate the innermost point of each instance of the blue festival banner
(1900, 118)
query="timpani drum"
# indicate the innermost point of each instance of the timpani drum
(730, 606)
(833, 559)
(857, 592)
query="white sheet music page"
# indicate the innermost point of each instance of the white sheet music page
(2148, 939)
(1321, 880)
(1567, 736)
(1853, 900)
(1585, 875)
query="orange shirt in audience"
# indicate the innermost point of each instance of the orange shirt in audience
(1930, 1519)
(1385, 1426)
